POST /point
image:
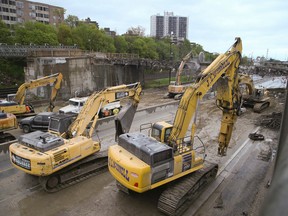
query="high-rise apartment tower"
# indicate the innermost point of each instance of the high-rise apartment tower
(169, 25)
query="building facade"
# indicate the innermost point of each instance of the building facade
(20, 11)
(169, 25)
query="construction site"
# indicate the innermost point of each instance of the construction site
(227, 160)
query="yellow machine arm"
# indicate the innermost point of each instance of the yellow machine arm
(97, 100)
(225, 67)
(54, 79)
(248, 81)
(181, 66)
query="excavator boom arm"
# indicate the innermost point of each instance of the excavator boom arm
(181, 66)
(225, 67)
(54, 78)
(97, 100)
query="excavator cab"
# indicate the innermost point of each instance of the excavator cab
(161, 131)
(59, 123)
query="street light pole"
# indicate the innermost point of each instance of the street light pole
(171, 57)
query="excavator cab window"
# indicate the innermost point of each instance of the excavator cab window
(156, 133)
(167, 134)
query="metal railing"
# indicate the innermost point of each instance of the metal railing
(27, 50)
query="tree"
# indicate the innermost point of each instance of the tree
(59, 13)
(184, 48)
(120, 44)
(150, 49)
(37, 33)
(65, 34)
(5, 35)
(197, 48)
(89, 37)
(72, 21)
(136, 31)
(163, 49)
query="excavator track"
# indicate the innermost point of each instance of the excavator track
(179, 195)
(5, 140)
(259, 107)
(75, 173)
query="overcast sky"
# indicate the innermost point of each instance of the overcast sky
(261, 24)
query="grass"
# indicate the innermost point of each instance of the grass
(164, 82)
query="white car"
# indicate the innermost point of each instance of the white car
(76, 104)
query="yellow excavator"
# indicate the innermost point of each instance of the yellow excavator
(176, 88)
(141, 163)
(65, 154)
(8, 121)
(12, 109)
(17, 106)
(253, 98)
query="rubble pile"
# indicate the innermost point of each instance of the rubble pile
(272, 121)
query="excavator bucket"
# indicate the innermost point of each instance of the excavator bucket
(123, 120)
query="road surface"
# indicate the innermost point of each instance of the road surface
(235, 189)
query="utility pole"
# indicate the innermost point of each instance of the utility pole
(172, 41)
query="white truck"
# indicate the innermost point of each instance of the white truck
(76, 104)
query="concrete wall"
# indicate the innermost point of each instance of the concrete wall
(82, 74)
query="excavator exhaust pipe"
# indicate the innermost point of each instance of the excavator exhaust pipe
(123, 120)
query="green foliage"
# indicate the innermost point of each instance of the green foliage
(185, 48)
(163, 49)
(165, 82)
(37, 33)
(209, 57)
(120, 44)
(5, 35)
(245, 61)
(72, 21)
(89, 37)
(65, 34)
(11, 71)
(197, 48)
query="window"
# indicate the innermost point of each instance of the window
(167, 134)
(32, 7)
(13, 18)
(5, 17)
(5, 9)
(19, 12)
(32, 14)
(19, 4)
(12, 10)
(12, 3)
(4, 1)
(38, 118)
(156, 134)
(39, 15)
